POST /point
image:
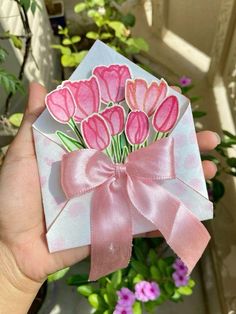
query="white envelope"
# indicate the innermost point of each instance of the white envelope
(68, 221)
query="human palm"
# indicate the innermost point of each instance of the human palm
(22, 228)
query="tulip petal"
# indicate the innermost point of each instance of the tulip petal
(140, 92)
(166, 115)
(137, 127)
(154, 96)
(130, 96)
(95, 132)
(61, 104)
(114, 117)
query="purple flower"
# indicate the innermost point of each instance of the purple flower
(145, 291)
(126, 297)
(180, 279)
(180, 267)
(185, 81)
(123, 310)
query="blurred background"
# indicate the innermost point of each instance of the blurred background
(191, 44)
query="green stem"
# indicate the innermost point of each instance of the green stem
(74, 127)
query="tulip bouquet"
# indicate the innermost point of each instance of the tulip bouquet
(112, 112)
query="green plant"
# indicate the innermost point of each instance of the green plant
(109, 25)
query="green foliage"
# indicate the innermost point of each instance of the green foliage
(30, 4)
(58, 275)
(10, 82)
(16, 119)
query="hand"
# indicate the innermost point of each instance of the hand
(22, 229)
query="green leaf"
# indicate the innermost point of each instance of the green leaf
(66, 41)
(25, 4)
(79, 56)
(230, 135)
(94, 300)
(191, 283)
(185, 290)
(155, 273)
(140, 268)
(99, 3)
(129, 20)
(211, 158)
(218, 189)
(152, 256)
(68, 60)
(10, 83)
(97, 18)
(176, 296)
(80, 7)
(58, 275)
(137, 308)
(63, 31)
(170, 260)
(138, 43)
(137, 278)
(111, 294)
(75, 39)
(169, 288)
(116, 278)
(162, 265)
(194, 99)
(198, 114)
(119, 28)
(77, 280)
(16, 41)
(105, 36)
(70, 143)
(85, 290)
(92, 35)
(16, 119)
(64, 50)
(3, 54)
(231, 162)
(139, 254)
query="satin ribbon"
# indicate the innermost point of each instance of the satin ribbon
(117, 188)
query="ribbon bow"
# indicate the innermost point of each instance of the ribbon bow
(135, 185)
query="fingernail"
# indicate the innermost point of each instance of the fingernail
(218, 138)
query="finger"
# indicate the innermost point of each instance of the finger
(177, 88)
(207, 140)
(22, 144)
(209, 169)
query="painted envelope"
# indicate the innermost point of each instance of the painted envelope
(68, 222)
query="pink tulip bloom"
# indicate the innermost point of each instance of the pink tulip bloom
(115, 118)
(61, 104)
(95, 132)
(137, 127)
(166, 115)
(112, 81)
(87, 97)
(140, 96)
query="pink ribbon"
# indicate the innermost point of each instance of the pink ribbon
(117, 188)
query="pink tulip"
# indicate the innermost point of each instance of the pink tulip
(137, 127)
(61, 104)
(115, 118)
(95, 132)
(87, 97)
(140, 96)
(112, 81)
(166, 115)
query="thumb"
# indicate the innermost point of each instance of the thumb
(22, 146)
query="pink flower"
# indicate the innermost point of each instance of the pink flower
(112, 81)
(180, 267)
(115, 118)
(126, 297)
(185, 81)
(60, 104)
(180, 279)
(87, 97)
(166, 115)
(146, 291)
(95, 132)
(137, 127)
(123, 310)
(140, 96)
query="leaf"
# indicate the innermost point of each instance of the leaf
(94, 300)
(230, 135)
(80, 7)
(77, 280)
(119, 28)
(75, 39)
(169, 288)
(10, 83)
(152, 256)
(176, 296)
(16, 41)
(64, 50)
(58, 275)
(128, 20)
(92, 35)
(105, 36)
(162, 265)
(111, 294)
(194, 99)
(218, 189)
(198, 114)
(66, 41)
(16, 119)
(99, 3)
(3, 54)
(191, 283)
(140, 268)
(211, 158)
(137, 278)
(138, 43)
(185, 290)
(139, 254)
(25, 4)
(85, 290)
(170, 260)
(116, 278)
(79, 56)
(70, 143)
(63, 31)
(155, 273)
(97, 18)
(68, 60)
(137, 308)
(231, 162)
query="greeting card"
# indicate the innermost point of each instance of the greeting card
(118, 156)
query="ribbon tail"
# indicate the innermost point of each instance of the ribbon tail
(184, 233)
(111, 229)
